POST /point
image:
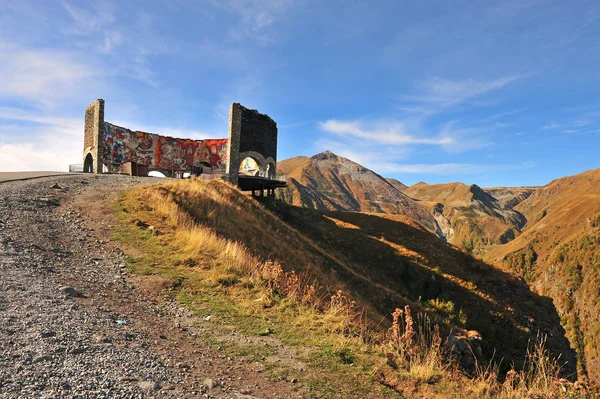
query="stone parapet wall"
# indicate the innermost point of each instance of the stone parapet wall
(107, 147)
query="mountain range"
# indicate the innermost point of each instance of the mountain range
(548, 235)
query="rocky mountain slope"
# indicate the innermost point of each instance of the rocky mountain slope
(549, 235)
(472, 217)
(466, 216)
(559, 254)
(510, 196)
(329, 182)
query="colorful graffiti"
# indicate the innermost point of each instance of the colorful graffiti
(161, 152)
(212, 152)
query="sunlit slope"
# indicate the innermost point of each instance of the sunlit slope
(397, 184)
(383, 261)
(559, 253)
(330, 182)
(555, 213)
(396, 253)
(472, 218)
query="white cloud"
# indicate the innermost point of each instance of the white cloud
(256, 17)
(111, 41)
(430, 169)
(504, 114)
(392, 134)
(42, 75)
(87, 21)
(388, 139)
(57, 143)
(461, 139)
(569, 127)
(437, 94)
(445, 169)
(551, 125)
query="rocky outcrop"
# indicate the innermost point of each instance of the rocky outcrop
(468, 215)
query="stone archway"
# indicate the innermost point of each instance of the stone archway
(88, 163)
(250, 166)
(271, 170)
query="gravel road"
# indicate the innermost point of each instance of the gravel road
(73, 326)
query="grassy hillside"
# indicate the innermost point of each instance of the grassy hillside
(559, 254)
(472, 217)
(404, 263)
(304, 275)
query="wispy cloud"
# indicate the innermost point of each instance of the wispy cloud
(96, 23)
(571, 127)
(89, 21)
(504, 114)
(414, 129)
(256, 17)
(98, 30)
(461, 139)
(42, 76)
(446, 169)
(438, 94)
(392, 134)
(20, 151)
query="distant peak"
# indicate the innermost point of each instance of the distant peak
(474, 188)
(324, 155)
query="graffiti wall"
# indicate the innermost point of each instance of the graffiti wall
(161, 152)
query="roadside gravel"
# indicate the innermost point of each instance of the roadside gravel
(73, 326)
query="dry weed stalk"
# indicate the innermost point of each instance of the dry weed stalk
(417, 344)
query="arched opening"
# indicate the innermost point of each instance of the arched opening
(156, 173)
(203, 168)
(271, 170)
(249, 167)
(88, 164)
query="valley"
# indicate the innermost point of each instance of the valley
(548, 235)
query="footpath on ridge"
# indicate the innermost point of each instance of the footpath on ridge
(72, 323)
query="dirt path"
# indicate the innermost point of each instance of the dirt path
(72, 323)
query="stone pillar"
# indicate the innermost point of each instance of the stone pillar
(94, 134)
(233, 144)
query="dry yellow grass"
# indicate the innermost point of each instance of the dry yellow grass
(227, 252)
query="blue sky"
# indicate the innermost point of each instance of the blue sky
(493, 93)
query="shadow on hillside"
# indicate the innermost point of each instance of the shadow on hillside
(390, 264)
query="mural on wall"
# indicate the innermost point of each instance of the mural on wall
(248, 163)
(249, 167)
(161, 152)
(212, 152)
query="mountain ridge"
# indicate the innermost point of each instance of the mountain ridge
(550, 235)
(327, 181)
